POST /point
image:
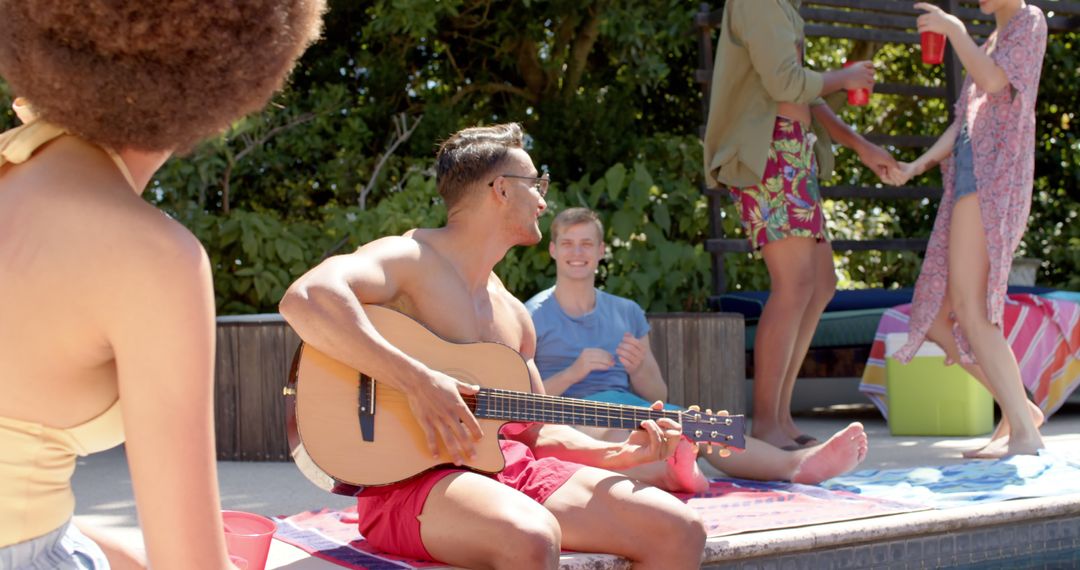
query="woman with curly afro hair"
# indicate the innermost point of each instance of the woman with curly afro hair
(107, 328)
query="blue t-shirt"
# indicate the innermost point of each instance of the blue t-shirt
(560, 338)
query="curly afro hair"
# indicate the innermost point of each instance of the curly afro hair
(151, 75)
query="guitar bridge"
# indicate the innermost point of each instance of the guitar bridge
(366, 408)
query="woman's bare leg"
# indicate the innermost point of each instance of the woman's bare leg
(941, 333)
(969, 266)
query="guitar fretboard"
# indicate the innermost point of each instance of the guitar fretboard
(495, 404)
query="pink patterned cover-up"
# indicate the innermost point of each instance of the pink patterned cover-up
(1002, 128)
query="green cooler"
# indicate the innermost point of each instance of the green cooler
(928, 398)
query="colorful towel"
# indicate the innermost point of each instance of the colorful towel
(1044, 335)
(1022, 476)
(730, 506)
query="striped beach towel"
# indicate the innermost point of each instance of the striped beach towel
(1044, 335)
(729, 506)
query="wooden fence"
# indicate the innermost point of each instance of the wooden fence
(700, 354)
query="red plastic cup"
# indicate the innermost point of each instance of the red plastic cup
(240, 563)
(933, 47)
(248, 536)
(857, 97)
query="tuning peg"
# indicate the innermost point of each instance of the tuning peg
(694, 408)
(709, 411)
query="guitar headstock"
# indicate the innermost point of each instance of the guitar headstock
(726, 431)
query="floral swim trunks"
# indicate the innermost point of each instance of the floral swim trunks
(787, 203)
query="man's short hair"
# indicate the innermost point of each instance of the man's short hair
(574, 216)
(472, 155)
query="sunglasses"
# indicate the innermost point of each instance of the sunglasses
(540, 183)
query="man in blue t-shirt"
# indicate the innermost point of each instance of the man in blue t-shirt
(608, 326)
(595, 346)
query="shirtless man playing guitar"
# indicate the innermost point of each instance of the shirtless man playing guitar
(559, 489)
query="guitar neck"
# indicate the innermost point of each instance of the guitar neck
(496, 404)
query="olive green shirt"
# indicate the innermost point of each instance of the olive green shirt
(758, 64)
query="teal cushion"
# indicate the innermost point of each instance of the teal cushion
(837, 328)
(1073, 296)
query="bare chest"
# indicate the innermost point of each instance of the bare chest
(449, 310)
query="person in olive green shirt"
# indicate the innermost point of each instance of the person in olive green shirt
(768, 140)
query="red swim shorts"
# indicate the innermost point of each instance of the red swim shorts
(389, 515)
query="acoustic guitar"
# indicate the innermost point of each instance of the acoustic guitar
(348, 430)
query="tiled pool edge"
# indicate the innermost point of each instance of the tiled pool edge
(924, 539)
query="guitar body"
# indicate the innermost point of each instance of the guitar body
(329, 402)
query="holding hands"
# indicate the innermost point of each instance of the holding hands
(905, 171)
(879, 160)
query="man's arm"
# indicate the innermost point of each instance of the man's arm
(873, 156)
(325, 307)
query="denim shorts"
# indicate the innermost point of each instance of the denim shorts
(62, 549)
(964, 163)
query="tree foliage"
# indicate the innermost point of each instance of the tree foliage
(606, 91)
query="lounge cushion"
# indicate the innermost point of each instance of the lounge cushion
(750, 303)
(837, 328)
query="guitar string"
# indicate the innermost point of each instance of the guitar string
(509, 402)
(576, 406)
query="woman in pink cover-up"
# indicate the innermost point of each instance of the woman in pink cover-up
(988, 163)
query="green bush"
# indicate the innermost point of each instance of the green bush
(606, 90)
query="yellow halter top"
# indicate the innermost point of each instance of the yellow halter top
(37, 461)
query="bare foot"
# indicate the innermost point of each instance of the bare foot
(1026, 446)
(996, 449)
(999, 439)
(1007, 447)
(840, 454)
(683, 474)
